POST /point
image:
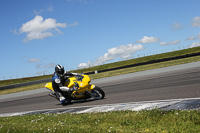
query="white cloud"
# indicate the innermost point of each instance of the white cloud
(14, 31)
(41, 66)
(176, 26)
(193, 37)
(190, 38)
(83, 65)
(196, 22)
(38, 66)
(49, 9)
(50, 65)
(122, 51)
(170, 43)
(163, 43)
(38, 28)
(42, 72)
(195, 44)
(147, 39)
(33, 60)
(174, 42)
(73, 24)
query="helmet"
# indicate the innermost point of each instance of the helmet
(59, 69)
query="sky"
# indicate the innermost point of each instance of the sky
(38, 34)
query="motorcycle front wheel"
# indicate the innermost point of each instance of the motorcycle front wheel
(98, 93)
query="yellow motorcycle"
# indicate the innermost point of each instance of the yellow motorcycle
(84, 89)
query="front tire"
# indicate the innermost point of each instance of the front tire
(97, 93)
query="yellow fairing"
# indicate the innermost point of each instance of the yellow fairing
(83, 86)
(49, 86)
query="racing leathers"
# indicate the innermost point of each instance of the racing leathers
(58, 82)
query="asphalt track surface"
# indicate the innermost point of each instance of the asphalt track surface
(182, 81)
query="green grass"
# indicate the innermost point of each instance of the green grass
(145, 67)
(139, 60)
(112, 73)
(110, 65)
(20, 89)
(23, 80)
(154, 121)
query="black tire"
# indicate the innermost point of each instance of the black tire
(98, 93)
(67, 97)
(68, 101)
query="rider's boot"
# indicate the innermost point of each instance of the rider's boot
(60, 97)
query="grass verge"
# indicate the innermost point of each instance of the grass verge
(145, 67)
(117, 121)
(140, 60)
(114, 73)
(20, 89)
(23, 80)
(107, 66)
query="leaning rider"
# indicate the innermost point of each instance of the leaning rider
(58, 80)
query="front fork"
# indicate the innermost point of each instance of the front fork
(90, 88)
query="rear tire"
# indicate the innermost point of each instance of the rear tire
(98, 93)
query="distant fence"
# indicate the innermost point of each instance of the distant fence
(105, 70)
(24, 84)
(146, 63)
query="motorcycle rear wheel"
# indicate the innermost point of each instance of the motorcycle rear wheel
(98, 93)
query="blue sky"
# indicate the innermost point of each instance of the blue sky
(38, 34)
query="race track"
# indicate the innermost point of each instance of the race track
(160, 84)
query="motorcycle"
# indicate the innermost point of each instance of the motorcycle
(84, 90)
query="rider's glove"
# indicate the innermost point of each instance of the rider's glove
(76, 86)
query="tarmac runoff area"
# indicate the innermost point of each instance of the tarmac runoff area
(181, 104)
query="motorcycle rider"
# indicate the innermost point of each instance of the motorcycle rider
(58, 80)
